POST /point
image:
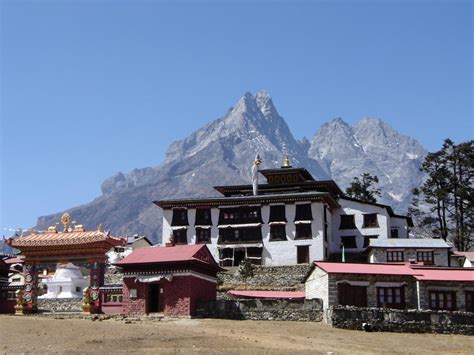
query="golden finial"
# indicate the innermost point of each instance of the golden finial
(66, 221)
(286, 162)
(100, 228)
(257, 160)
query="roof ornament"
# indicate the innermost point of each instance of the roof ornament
(52, 229)
(66, 221)
(100, 228)
(255, 166)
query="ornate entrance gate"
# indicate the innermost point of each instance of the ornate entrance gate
(74, 245)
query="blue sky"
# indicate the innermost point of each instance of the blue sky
(90, 88)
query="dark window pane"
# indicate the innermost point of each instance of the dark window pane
(180, 217)
(425, 257)
(370, 221)
(277, 214)
(179, 236)
(278, 232)
(347, 222)
(302, 254)
(349, 295)
(395, 256)
(240, 235)
(203, 217)
(203, 235)
(394, 233)
(303, 231)
(349, 242)
(303, 213)
(367, 239)
(240, 215)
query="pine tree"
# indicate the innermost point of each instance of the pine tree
(363, 188)
(444, 203)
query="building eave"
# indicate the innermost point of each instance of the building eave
(243, 200)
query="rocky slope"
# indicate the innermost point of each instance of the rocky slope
(374, 147)
(222, 152)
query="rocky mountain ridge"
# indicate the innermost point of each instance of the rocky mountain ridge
(221, 153)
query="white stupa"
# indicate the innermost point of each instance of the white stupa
(67, 282)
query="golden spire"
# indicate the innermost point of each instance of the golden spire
(286, 162)
(66, 221)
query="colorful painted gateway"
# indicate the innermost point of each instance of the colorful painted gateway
(168, 280)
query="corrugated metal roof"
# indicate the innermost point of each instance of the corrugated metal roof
(268, 294)
(408, 243)
(373, 269)
(422, 273)
(175, 253)
(469, 255)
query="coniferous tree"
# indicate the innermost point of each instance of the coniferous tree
(444, 203)
(363, 188)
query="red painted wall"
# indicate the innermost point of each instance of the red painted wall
(180, 295)
(7, 306)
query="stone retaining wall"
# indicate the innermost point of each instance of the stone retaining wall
(406, 321)
(262, 309)
(277, 278)
(60, 305)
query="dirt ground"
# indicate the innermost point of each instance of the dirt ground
(41, 335)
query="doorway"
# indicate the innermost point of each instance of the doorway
(154, 304)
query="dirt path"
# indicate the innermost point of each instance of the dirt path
(37, 335)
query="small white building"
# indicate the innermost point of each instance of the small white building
(67, 282)
(293, 219)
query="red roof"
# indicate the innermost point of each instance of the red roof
(14, 261)
(63, 238)
(421, 273)
(469, 255)
(177, 253)
(371, 269)
(268, 294)
(441, 274)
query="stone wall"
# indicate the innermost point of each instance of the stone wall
(60, 305)
(407, 321)
(379, 255)
(262, 309)
(276, 278)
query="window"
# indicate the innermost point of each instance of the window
(370, 221)
(303, 231)
(277, 214)
(443, 300)
(325, 231)
(240, 235)
(240, 215)
(349, 242)
(113, 298)
(133, 293)
(278, 232)
(395, 256)
(303, 212)
(302, 254)
(78, 289)
(469, 301)
(347, 222)
(203, 217)
(391, 297)
(180, 217)
(180, 236)
(367, 239)
(349, 295)
(203, 235)
(394, 233)
(426, 257)
(119, 249)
